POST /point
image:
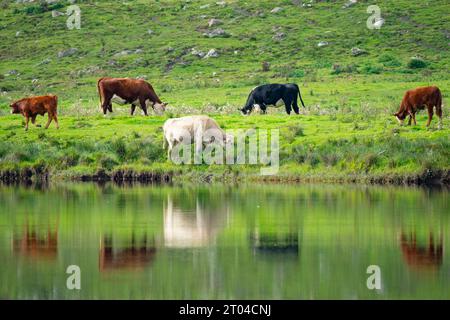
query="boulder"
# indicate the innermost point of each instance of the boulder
(276, 10)
(358, 52)
(67, 53)
(211, 54)
(279, 36)
(214, 22)
(197, 53)
(216, 33)
(57, 13)
(349, 4)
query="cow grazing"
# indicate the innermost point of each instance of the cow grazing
(31, 107)
(418, 99)
(192, 127)
(273, 95)
(127, 91)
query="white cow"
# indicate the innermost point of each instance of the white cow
(194, 128)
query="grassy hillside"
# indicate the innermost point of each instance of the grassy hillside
(347, 97)
(164, 57)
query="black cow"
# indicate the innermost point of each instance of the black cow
(273, 95)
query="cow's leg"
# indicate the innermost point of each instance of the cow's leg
(49, 121)
(169, 149)
(143, 106)
(33, 120)
(287, 104)
(133, 108)
(430, 116)
(55, 117)
(263, 108)
(27, 119)
(107, 105)
(295, 107)
(409, 121)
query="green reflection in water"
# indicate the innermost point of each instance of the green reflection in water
(224, 242)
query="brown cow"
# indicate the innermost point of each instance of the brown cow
(418, 99)
(31, 107)
(127, 91)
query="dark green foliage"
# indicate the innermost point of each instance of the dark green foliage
(416, 63)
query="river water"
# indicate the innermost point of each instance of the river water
(224, 242)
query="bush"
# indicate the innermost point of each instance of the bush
(389, 60)
(120, 148)
(297, 74)
(291, 132)
(338, 69)
(41, 7)
(107, 162)
(371, 69)
(416, 63)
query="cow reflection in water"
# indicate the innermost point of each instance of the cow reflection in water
(422, 257)
(136, 255)
(35, 244)
(192, 228)
(267, 243)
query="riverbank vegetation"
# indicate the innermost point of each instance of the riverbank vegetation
(333, 147)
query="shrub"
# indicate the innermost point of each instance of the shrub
(338, 69)
(41, 7)
(389, 60)
(107, 162)
(297, 73)
(416, 63)
(291, 132)
(330, 158)
(371, 69)
(119, 147)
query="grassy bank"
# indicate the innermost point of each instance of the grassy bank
(330, 147)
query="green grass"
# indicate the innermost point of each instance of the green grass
(317, 147)
(346, 130)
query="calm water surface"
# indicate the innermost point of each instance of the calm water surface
(224, 242)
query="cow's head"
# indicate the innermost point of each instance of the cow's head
(400, 116)
(15, 108)
(245, 111)
(159, 108)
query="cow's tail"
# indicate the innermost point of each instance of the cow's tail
(56, 104)
(300, 96)
(439, 103)
(100, 95)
